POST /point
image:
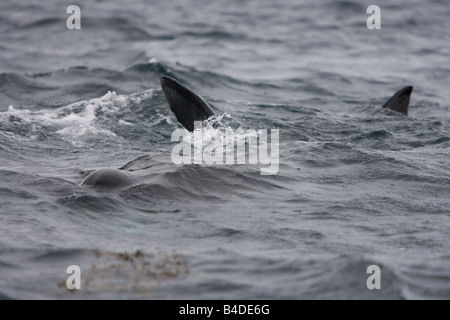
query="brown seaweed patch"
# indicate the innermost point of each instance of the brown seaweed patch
(138, 272)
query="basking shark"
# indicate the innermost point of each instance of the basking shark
(189, 107)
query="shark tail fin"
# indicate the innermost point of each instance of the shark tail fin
(399, 102)
(187, 106)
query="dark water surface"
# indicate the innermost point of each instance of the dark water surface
(356, 186)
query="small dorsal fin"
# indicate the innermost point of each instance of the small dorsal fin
(184, 103)
(400, 100)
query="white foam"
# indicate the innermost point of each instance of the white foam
(78, 120)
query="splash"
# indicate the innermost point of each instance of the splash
(214, 144)
(75, 122)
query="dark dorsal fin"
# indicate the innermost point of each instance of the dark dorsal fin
(400, 100)
(184, 103)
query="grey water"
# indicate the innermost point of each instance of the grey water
(356, 187)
